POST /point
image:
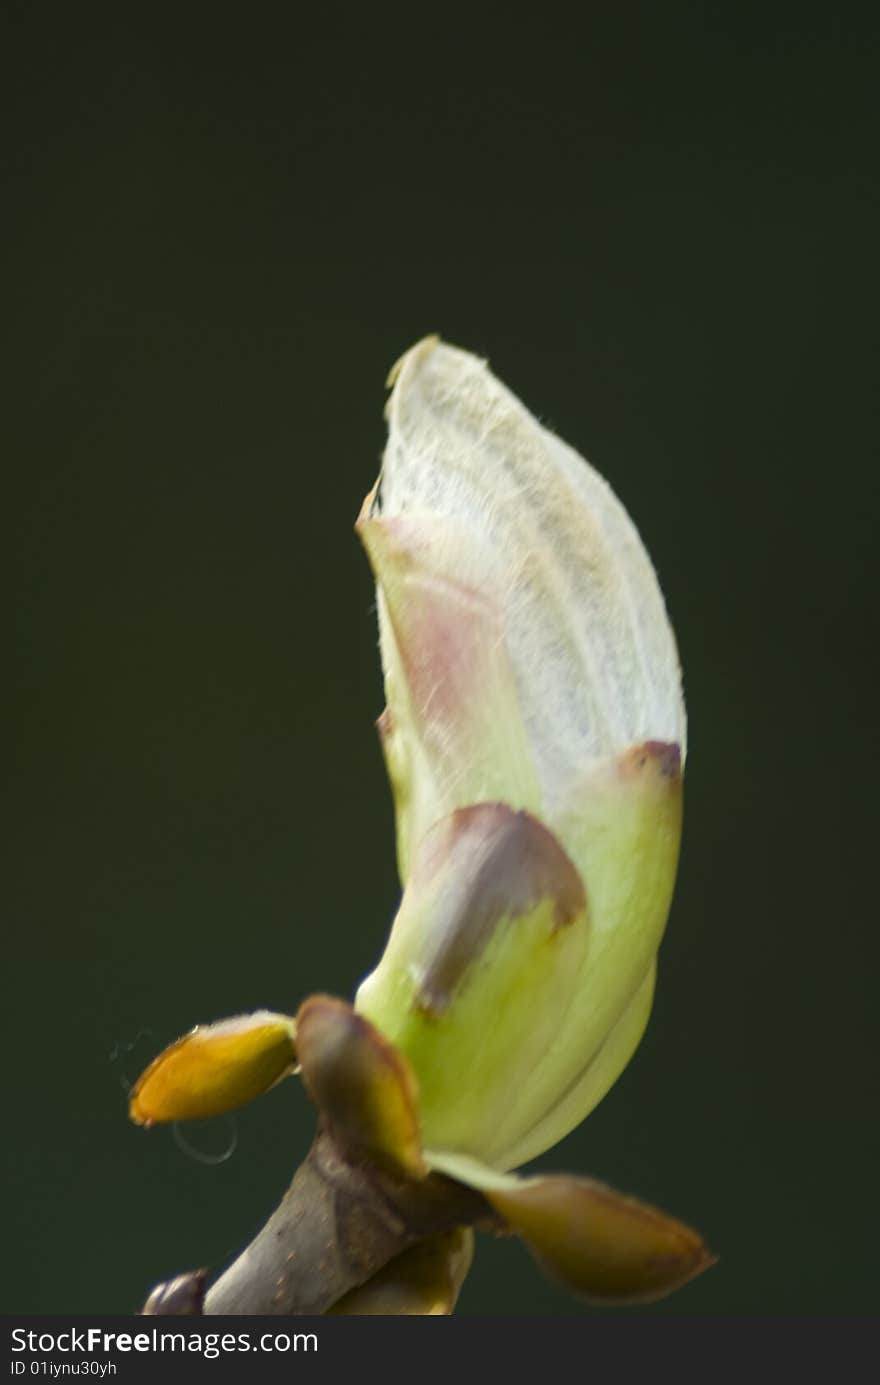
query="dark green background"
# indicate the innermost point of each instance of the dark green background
(221, 229)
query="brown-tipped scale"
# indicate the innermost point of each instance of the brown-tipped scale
(365, 1089)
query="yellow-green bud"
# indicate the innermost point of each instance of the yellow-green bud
(215, 1068)
(534, 735)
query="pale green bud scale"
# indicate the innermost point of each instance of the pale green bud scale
(534, 718)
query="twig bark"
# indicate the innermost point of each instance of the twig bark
(339, 1222)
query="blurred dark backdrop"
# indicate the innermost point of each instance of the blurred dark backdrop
(661, 228)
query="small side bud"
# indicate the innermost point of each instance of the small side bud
(603, 1246)
(183, 1297)
(215, 1068)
